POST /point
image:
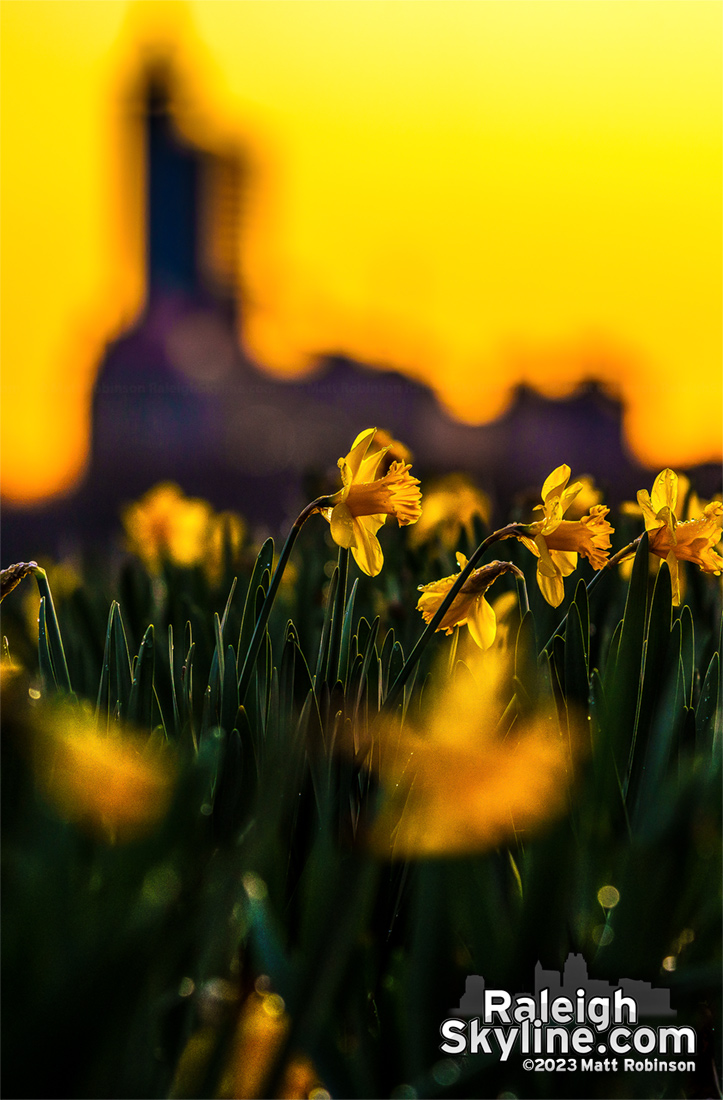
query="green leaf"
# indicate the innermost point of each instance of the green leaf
(346, 634)
(575, 661)
(287, 677)
(611, 662)
(369, 656)
(120, 687)
(262, 566)
(333, 661)
(174, 690)
(526, 666)
(102, 706)
(47, 672)
(648, 798)
(385, 658)
(52, 630)
(709, 703)
(623, 697)
(656, 648)
(229, 692)
(688, 651)
(140, 703)
(323, 654)
(187, 690)
(228, 796)
(583, 607)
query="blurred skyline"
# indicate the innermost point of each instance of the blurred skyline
(478, 195)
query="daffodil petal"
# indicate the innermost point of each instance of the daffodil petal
(665, 491)
(545, 565)
(569, 495)
(556, 482)
(342, 526)
(461, 560)
(553, 515)
(565, 561)
(530, 544)
(552, 587)
(369, 465)
(668, 517)
(366, 549)
(649, 513)
(359, 448)
(482, 623)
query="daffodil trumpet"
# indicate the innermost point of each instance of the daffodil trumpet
(557, 542)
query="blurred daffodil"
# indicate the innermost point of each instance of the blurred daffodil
(469, 607)
(395, 450)
(691, 540)
(588, 496)
(363, 503)
(262, 1028)
(450, 506)
(226, 534)
(165, 525)
(557, 541)
(110, 784)
(461, 781)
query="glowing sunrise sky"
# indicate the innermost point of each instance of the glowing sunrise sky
(478, 193)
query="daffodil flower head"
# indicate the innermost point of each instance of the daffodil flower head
(692, 540)
(364, 501)
(450, 505)
(456, 782)
(469, 607)
(557, 542)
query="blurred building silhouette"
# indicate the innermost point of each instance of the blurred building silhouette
(176, 398)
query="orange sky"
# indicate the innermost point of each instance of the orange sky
(474, 191)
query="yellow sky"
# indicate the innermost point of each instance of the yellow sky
(479, 193)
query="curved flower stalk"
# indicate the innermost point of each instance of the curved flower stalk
(469, 607)
(557, 542)
(690, 540)
(363, 503)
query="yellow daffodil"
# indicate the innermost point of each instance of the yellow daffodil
(469, 607)
(691, 540)
(450, 505)
(262, 1029)
(459, 783)
(557, 541)
(363, 503)
(258, 1037)
(165, 525)
(225, 529)
(110, 784)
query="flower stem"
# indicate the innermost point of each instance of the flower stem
(512, 530)
(332, 669)
(614, 560)
(260, 628)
